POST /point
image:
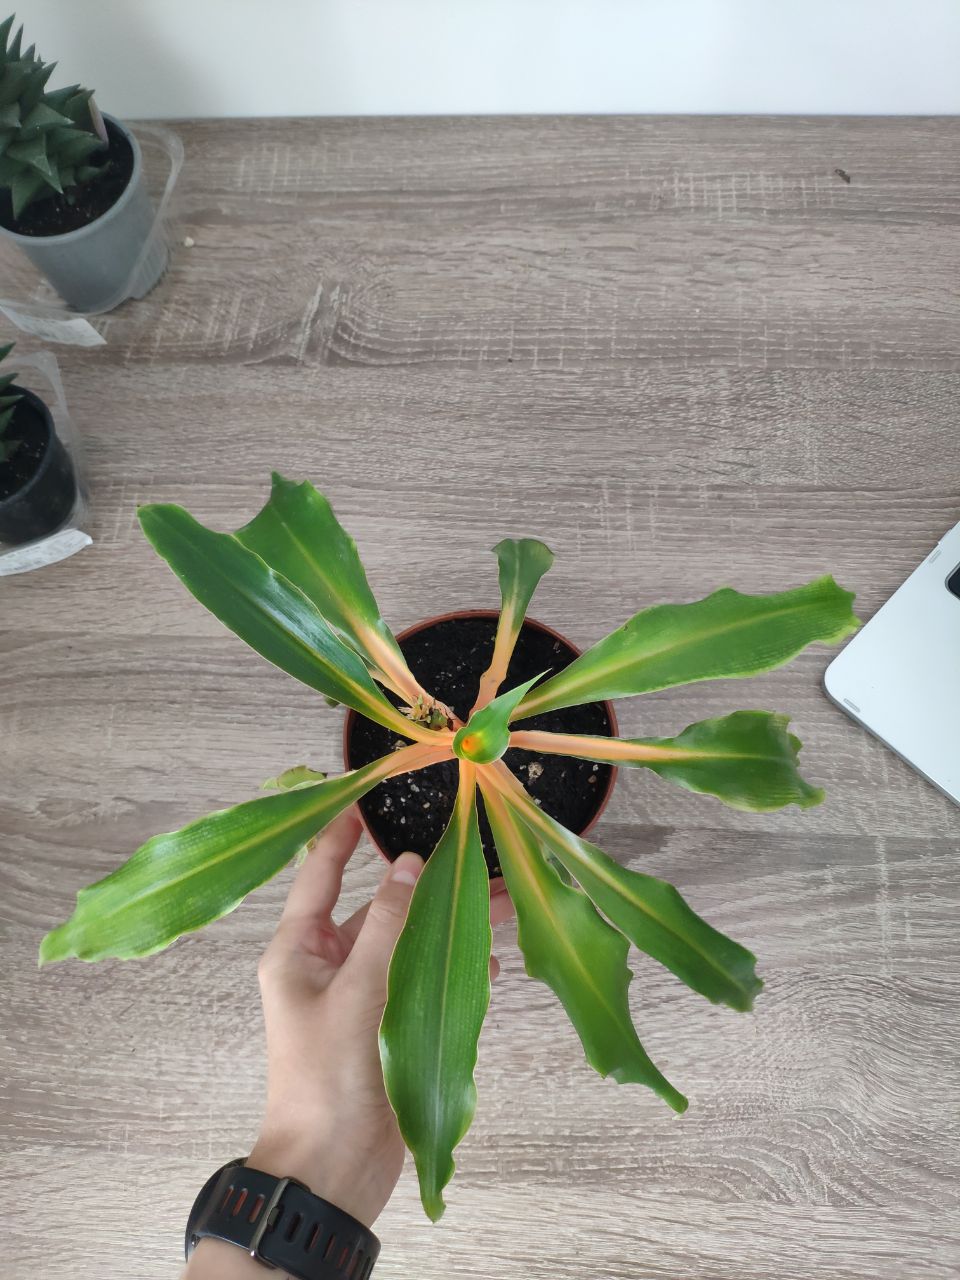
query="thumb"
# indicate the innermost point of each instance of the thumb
(369, 960)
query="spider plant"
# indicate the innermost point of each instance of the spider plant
(291, 584)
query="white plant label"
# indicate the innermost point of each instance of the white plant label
(57, 547)
(73, 331)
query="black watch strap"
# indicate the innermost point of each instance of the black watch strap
(283, 1224)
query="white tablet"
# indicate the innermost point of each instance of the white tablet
(899, 676)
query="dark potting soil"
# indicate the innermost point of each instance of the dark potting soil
(411, 811)
(29, 428)
(78, 206)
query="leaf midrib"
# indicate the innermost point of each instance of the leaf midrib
(599, 992)
(602, 873)
(575, 684)
(371, 698)
(235, 850)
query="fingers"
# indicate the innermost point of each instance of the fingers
(501, 907)
(501, 910)
(350, 928)
(369, 960)
(316, 888)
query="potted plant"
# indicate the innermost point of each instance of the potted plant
(38, 482)
(72, 192)
(495, 724)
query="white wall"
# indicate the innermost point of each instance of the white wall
(149, 58)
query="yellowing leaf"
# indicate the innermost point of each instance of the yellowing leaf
(438, 991)
(725, 635)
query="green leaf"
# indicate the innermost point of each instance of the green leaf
(14, 80)
(16, 44)
(486, 735)
(747, 759)
(300, 775)
(438, 991)
(10, 116)
(298, 534)
(72, 146)
(267, 611)
(178, 882)
(523, 562)
(567, 945)
(651, 913)
(44, 117)
(34, 154)
(25, 187)
(725, 635)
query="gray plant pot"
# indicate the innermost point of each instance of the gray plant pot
(96, 267)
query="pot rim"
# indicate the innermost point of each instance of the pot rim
(31, 397)
(80, 233)
(451, 615)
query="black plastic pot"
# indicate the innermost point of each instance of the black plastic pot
(46, 500)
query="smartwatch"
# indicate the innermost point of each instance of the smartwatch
(282, 1224)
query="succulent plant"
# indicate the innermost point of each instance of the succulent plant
(46, 138)
(291, 584)
(7, 402)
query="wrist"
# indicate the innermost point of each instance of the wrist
(321, 1168)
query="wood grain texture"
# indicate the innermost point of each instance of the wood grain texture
(683, 352)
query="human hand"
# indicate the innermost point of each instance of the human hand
(328, 1122)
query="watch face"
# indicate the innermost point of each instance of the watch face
(202, 1205)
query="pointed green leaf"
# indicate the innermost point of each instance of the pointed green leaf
(44, 117)
(25, 186)
(300, 775)
(10, 116)
(77, 106)
(725, 635)
(267, 611)
(71, 145)
(651, 913)
(747, 759)
(567, 945)
(34, 153)
(438, 991)
(523, 562)
(14, 79)
(486, 735)
(178, 882)
(298, 534)
(5, 27)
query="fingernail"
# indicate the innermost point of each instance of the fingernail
(406, 869)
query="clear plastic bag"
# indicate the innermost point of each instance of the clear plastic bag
(40, 374)
(30, 303)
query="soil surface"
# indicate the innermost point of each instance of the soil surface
(78, 206)
(29, 428)
(410, 812)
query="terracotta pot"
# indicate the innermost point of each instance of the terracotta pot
(352, 715)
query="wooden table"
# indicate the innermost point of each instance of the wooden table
(685, 352)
